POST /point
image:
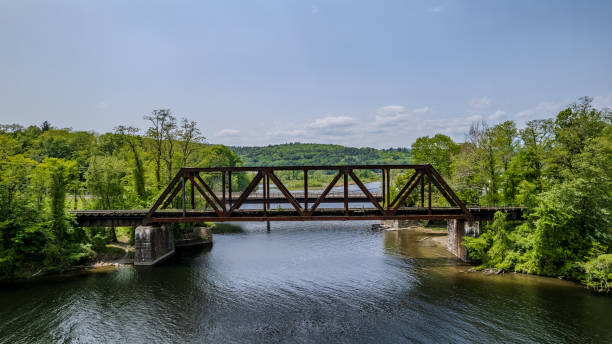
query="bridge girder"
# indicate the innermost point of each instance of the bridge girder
(225, 207)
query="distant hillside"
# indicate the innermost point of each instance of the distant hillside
(293, 154)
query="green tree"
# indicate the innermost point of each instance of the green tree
(104, 181)
(163, 125)
(60, 174)
(133, 141)
(437, 151)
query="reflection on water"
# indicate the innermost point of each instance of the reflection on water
(304, 282)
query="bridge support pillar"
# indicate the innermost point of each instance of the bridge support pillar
(457, 229)
(152, 244)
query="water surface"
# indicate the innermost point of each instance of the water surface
(305, 283)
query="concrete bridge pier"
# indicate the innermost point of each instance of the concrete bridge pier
(152, 244)
(457, 229)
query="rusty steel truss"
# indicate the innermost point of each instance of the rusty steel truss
(225, 204)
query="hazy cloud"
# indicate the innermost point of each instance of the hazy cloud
(228, 132)
(331, 122)
(541, 110)
(392, 125)
(497, 114)
(422, 110)
(480, 103)
(602, 102)
(390, 114)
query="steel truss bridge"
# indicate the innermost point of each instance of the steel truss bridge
(226, 204)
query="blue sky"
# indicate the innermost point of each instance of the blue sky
(358, 73)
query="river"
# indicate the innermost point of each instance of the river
(304, 282)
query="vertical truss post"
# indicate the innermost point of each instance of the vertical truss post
(429, 188)
(305, 190)
(388, 186)
(183, 187)
(268, 190)
(384, 194)
(265, 196)
(229, 173)
(223, 192)
(192, 193)
(422, 193)
(346, 206)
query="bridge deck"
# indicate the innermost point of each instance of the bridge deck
(110, 218)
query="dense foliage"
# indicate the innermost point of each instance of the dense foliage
(295, 154)
(44, 171)
(559, 169)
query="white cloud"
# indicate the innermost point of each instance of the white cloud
(392, 125)
(392, 114)
(390, 109)
(436, 9)
(541, 110)
(497, 114)
(422, 110)
(480, 103)
(602, 102)
(314, 9)
(228, 132)
(331, 122)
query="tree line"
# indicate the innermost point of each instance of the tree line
(560, 169)
(46, 170)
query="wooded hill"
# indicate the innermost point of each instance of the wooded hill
(296, 154)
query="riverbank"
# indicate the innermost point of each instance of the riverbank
(118, 254)
(436, 237)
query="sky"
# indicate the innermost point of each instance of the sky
(357, 73)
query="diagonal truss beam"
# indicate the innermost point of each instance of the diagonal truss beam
(326, 191)
(212, 194)
(285, 192)
(408, 192)
(450, 192)
(164, 195)
(172, 195)
(397, 197)
(208, 199)
(246, 192)
(366, 191)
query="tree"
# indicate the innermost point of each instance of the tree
(537, 139)
(189, 137)
(573, 128)
(60, 174)
(104, 181)
(468, 179)
(160, 120)
(45, 126)
(170, 132)
(130, 136)
(437, 151)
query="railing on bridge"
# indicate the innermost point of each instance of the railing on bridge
(225, 205)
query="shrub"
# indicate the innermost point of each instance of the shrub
(599, 273)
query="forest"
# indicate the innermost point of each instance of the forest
(296, 154)
(45, 171)
(557, 168)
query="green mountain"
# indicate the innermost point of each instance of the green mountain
(295, 154)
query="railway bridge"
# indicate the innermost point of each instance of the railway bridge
(197, 195)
